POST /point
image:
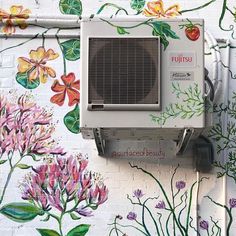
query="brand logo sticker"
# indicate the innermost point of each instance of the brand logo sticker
(182, 75)
(182, 59)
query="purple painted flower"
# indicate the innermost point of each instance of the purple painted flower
(232, 202)
(138, 193)
(204, 224)
(180, 184)
(132, 216)
(160, 205)
(83, 211)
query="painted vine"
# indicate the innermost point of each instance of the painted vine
(43, 190)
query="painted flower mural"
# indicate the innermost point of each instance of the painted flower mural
(70, 87)
(61, 187)
(153, 218)
(156, 9)
(35, 67)
(15, 17)
(26, 131)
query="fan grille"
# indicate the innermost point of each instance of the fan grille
(123, 70)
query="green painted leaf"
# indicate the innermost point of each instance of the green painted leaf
(162, 28)
(48, 232)
(23, 166)
(93, 206)
(2, 161)
(163, 39)
(22, 79)
(74, 216)
(71, 120)
(79, 230)
(164, 42)
(71, 49)
(20, 212)
(71, 7)
(137, 5)
(121, 30)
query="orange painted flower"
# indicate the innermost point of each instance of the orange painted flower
(70, 87)
(35, 66)
(16, 16)
(156, 8)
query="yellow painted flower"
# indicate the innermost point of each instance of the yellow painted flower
(35, 66)
(156, 8)
(16, 16)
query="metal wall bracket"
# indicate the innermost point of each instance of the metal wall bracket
(100, 142)
(184, 140)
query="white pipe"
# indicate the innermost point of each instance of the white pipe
(197, 198)
(40, 35)
(214, 49)
(225, 152)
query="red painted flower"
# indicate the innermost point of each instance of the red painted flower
(70, 87)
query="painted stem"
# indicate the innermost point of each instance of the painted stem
(190, 224)
(128, 27)
(167, 224)
(165, 196)
(155, 223)
(159, 219)
(184, 207)
(190, 204)
(229, 211)
(116, 227)
(198, 8)
(126, 226)
(12, 168)
(173, 197)
(208, 234)
(231, 27)
(63, 57)
(20, 44)
(111, 5)
(60, 223)
(150, 213)
(6, 184)
(143, 221)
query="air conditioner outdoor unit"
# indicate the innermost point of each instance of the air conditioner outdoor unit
(142, 79)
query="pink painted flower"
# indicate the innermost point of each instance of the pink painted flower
(26, 128)
(65, 185)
